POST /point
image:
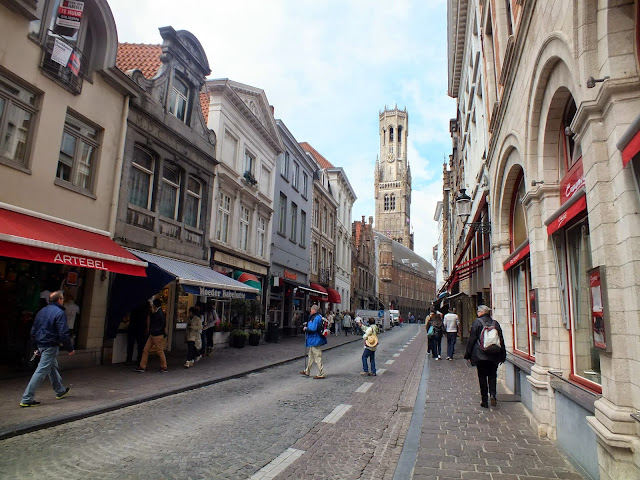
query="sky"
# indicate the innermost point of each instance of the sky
(329, 67)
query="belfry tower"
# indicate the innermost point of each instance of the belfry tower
(392, 178)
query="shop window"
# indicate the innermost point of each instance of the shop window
(224, 213)
(262, 231)
(520, 283)
(77, 159)
(169, 192)
(243, 242)
(303, 228)
(141, 187)
(296, 173)
(284, 167)
(193, 203)
(294, 222)
(17, 112)
(179, 99)
(282, 225)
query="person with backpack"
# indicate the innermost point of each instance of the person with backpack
(435, 331)
(370, 338)
(486, 350)
(316, 332)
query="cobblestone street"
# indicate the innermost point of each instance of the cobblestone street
(276, 423)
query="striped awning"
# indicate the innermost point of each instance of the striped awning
(248, 279)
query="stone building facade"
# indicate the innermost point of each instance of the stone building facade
(561, 83)
(364, 279)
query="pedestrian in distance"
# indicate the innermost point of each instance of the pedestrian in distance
(370, 338)
(49, 330)
(193, 337)
(481, 357)
(435, 331)
(346, 323)
(426, 326)
(452, 326)
(315, 337)
(209, 319)
(135, 331)
(155, 330)
(338, 322)
(331, 318)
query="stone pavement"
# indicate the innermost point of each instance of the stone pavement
(109, 387)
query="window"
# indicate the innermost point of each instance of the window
(399, 136)
(249, 162)
(179, 99)
(316, 214)
(296, 173)
(224, 212)
(520, 279)
(391, 134)
(243, 240)
(193, 203)
(282, 225)
(262, 229)
(17, 110)
(141, 185)
(392, 203)
(325, 219)
(519, 233)
(303, 228)
(314, 257)
(169, 192)
(569, 151)
(305, 184)
(284, 167)
(331, 225)
(386, 202)
(294, 222)
(76, 163)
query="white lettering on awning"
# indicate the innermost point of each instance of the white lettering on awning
(79, 261)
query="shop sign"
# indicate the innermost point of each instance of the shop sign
(516, 257)
(290, 275)
(239, 263)
(69, 14)
(572, 182)
(222, 293)
(79, 261)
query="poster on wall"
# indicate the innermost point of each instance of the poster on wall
(599, 318)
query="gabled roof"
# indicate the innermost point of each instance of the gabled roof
(323, 162)
(140, 56)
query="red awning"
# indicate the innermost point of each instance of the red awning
(334, 296)
(567, 212)
(31, 238)
(319, 288)
(516, 257)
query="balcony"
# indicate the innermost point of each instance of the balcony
(56, 50)
(250, 179)
(324, 275)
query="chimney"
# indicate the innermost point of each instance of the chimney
(363, 220)
(370, 220)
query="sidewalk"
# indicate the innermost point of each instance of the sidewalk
(109, 387)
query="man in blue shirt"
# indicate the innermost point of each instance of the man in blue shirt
(314, 339)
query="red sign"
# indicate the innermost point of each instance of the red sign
(572, 182)
(597, 309)
(290, 276)
(565, 217)
(517, 257)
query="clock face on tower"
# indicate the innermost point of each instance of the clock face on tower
(391, 157)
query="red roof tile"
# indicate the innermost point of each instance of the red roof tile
(323, 162)
(143, 57)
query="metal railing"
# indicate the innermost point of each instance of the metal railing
(70, 75)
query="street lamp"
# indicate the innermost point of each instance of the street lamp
(463, 206)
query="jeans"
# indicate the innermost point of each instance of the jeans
(371, 355)
(436, 346)
(451, 343)
(315, 354)
(48, 367)
(487, 373)
(191, 350)
(158, 341)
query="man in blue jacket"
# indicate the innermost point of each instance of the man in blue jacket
(314, 340)
(48, 332)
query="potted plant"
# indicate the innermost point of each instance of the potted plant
(238, 338)
(238, 308)
(225, 327)
(254, 337)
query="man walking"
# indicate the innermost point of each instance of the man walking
(314, 339)
(48, 332)
(156, 333)
(452, 325)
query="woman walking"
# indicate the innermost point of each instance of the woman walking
(194, 331)
(435, 330)
(482, 356)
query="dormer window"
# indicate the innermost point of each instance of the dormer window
(179, 99)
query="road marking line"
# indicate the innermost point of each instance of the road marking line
(405, 346)
(380, 371)
(277, 465)
(401, 350)
(389, 362)
(337, 413)
(364, 387)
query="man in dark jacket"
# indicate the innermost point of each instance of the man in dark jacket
(48, 332)
(487, 363)
(156, 333)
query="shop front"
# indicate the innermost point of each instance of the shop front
(288, 300)
(40, 255)
(179, 285)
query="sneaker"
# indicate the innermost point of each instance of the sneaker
(198, 358)
(494, 401)
(364, 373)
(449, 358)
(437, 358)
(303, 372)
(372, 374)
(63, 393)
(163, 370)
(32, 403)
(484, 405)
(187, 364)
(319, 377)
(139, 369)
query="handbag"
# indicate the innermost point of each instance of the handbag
(431, 331)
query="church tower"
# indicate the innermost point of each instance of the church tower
(392, 178)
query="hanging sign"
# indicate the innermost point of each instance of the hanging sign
(69, 14)
(572, 182)
(599, 318)
(61, 52)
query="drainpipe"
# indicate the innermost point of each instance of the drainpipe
(113, 214)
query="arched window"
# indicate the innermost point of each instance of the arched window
(386, 202)
(391, 134)
(399, 133)
(518, 216)
(569, 152)
(392, 206)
